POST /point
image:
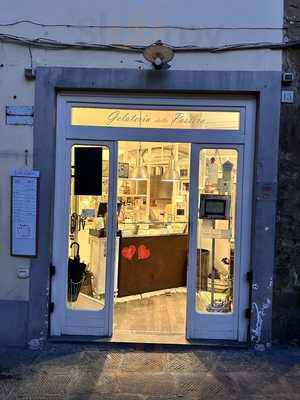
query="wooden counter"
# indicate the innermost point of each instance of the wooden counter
(150, 263)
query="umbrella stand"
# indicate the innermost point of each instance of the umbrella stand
(74, 289)
(76, 274)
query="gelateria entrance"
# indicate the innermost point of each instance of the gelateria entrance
(151, 238)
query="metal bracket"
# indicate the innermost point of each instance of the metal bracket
(29, 74)
(266, 191)
(52, 270)
(248, 313)
(249, 276)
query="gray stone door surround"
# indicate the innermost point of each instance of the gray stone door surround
(265, 86)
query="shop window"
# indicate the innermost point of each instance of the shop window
(216, 230)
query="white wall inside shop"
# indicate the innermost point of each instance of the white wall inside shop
(220, 24)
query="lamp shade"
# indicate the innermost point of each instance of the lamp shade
(160, 51)
(171, 174)
(139, 173)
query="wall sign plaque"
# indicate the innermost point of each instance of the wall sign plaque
(24, 213)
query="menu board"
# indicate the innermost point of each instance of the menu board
(24, 199)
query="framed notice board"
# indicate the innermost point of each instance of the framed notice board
(24, 213)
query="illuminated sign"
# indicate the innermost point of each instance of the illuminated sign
(155, 119)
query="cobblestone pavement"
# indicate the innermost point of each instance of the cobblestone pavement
(111, 372)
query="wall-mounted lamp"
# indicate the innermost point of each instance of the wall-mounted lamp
(159, 55)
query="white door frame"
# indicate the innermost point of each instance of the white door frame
(230, 326)
(88, 135)
(70, 321)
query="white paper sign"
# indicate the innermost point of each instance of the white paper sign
(26, 172)
(24, 214)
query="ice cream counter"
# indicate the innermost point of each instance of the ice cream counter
(149, 263)
(143, 263)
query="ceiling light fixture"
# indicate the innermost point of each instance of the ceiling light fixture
(159, 55)
(171, 174)
(140, 172)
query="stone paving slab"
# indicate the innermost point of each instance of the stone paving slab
(112, 372)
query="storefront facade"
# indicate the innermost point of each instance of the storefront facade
(263, 221)
(188, 118)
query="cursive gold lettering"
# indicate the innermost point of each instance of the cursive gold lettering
(188, 120)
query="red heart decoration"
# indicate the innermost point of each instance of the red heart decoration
(128, 252)
(143, 252)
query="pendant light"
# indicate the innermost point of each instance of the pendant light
(171, 174)
(140, 172)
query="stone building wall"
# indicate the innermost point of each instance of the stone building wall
(286, 314)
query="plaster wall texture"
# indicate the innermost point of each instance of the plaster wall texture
(209, 24)
(237, 22)
(286, 316)
(266, 13)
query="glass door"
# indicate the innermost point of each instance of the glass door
(216, 271)
(85, 223)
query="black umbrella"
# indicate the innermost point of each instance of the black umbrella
(76, 273)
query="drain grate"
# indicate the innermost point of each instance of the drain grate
(54, 385)
(182, 362)
(212, 390)
(188, 387)
(105, 359)
(146, 362)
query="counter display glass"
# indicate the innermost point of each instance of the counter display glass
(152, 203)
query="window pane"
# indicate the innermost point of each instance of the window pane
(87, 228)
(216, 230)
(159, 119)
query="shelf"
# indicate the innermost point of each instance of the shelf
(132, 195)
(128, 179)
(154, 222)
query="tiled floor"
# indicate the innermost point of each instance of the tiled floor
(151, 319)
(79, 372)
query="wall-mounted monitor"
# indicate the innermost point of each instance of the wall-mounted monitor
(213, 206)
